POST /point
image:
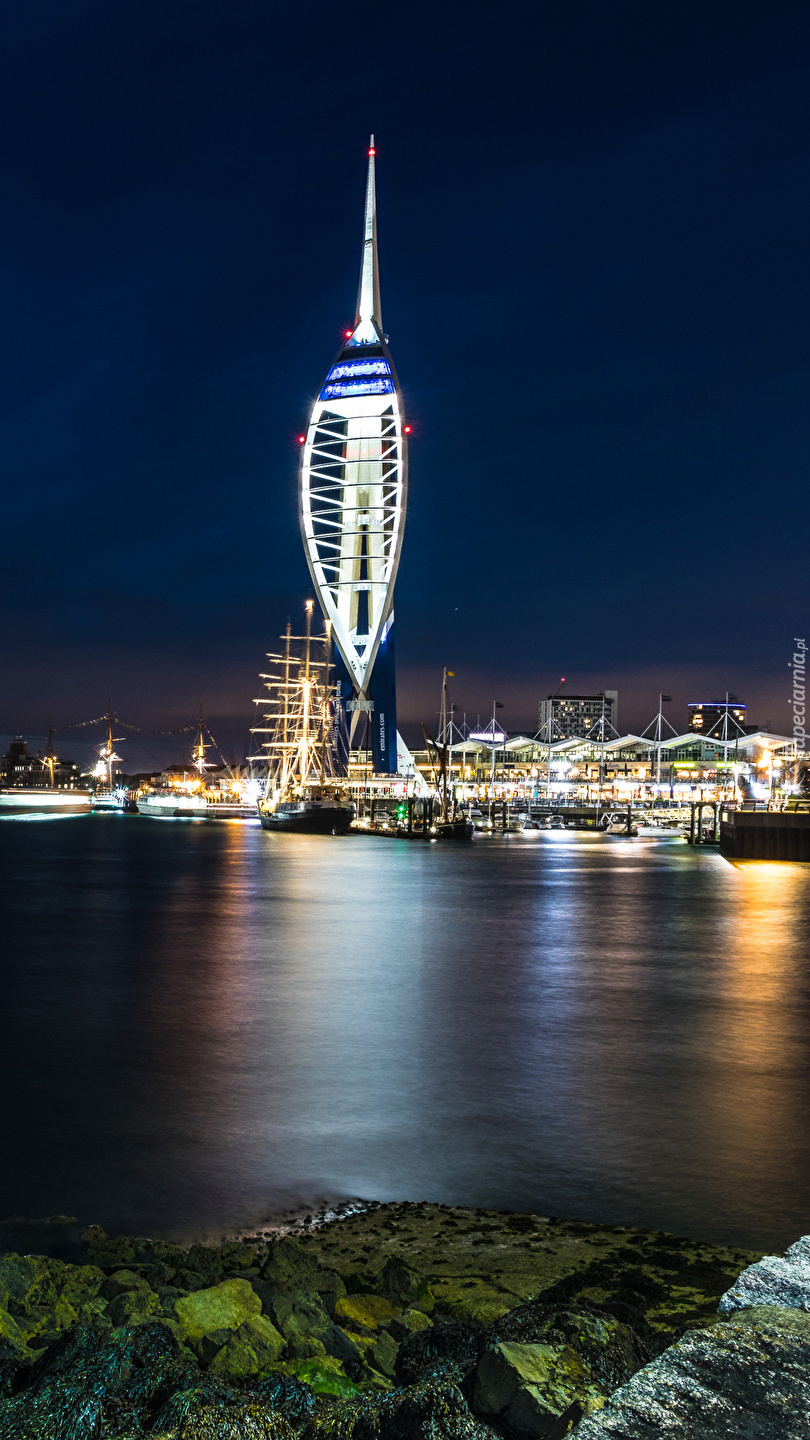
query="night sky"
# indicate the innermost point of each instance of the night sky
(594, 228)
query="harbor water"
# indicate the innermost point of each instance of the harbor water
(204, 1025)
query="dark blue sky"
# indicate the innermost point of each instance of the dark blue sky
(594, 227)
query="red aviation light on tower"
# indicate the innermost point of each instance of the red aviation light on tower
(406, 429)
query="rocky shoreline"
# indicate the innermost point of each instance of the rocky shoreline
(403, 1321)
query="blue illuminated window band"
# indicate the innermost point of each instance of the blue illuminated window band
(347, 369)
(356, 387)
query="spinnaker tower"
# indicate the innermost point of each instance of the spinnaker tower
(352, 508)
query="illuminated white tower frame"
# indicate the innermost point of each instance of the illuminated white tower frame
(354, 480)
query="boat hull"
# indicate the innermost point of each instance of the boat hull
(172, 809)
(314, 820)
(455, 830)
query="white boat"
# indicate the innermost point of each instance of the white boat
(172, 805)
(22, 800)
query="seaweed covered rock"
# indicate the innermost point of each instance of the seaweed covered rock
(730, 1381)
(12, 1375)
(658, 1287)
(207, 1411)
(26, 1281)
(449, 1347)
(435, 1409)
(288, 1396)
(60, 1410)
(88, 1384)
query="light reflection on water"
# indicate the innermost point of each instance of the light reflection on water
(201, 1021)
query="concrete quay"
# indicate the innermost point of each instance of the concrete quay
(765, 834)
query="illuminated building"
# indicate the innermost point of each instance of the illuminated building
(707, 716)
(353, 490)
(579, 715)
(19, 768)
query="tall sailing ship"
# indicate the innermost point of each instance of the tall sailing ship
(302, 795)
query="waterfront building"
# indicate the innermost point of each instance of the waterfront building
(620, 770)
(352, 509)
(561, 716)
(19, 769)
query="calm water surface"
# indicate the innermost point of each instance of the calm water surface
(202, 1022)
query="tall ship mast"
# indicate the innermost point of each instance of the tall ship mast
(301, 793)
(352, 510)
(106, 796)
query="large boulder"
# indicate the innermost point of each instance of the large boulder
(405, 1287)
(472, 1300)
(236, 1256)
(219, 1307)
(27, 1281)
(534, 1390)
(205, 1261)
(300, 1312)
(110, 1252)
(382, 1354)
(121, 1282)
(365, 1313)
(81, 1284)
(255, 1346)
(13, 1340)
(610, 1349)
(774, 1280)
(734, 1380)
(43, 1324)
(133, 1306)
(288, 1267)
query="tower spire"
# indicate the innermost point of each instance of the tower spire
(368, 321)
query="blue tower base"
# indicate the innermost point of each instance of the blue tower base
(383, 692)
(379, 726)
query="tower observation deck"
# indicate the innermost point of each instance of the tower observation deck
(352, 509)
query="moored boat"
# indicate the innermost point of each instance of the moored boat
(452, 823)
(301, 794)
(458, 829)
(308, 816)
(172, 805)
